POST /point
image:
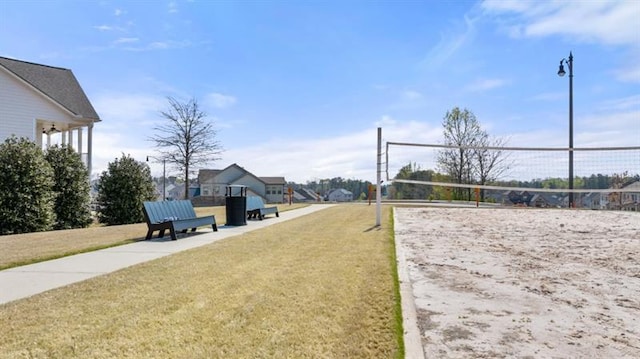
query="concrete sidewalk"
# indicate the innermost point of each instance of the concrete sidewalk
(21, 282)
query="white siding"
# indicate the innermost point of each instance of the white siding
(229, 175)
(275, 193)
(255, 184)
(21, 106)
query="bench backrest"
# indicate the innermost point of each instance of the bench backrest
(162, 211)
(254, 202)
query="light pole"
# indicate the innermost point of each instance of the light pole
(561, 73)
(164, 176)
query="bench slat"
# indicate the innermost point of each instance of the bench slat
(256, 208)
(174, 216)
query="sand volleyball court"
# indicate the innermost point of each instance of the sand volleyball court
(524, 283)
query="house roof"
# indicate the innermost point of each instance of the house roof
(57, 83)
(273, 180)
(205, 175)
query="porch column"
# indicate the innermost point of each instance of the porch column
(70, 143)
(48, 140)
(64, 138)
(79, 148)
(89, 147)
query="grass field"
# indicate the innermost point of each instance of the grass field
(21, 249)
(319, 286)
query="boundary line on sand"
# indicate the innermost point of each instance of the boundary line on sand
(412, 338)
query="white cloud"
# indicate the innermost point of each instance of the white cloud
(450, 43)
(103, 27)
(486, 84)
(172, 7)
(610, 23)
(607, 22)
(118, 12)
(219, 100)
(549, 96)
(120, 109)
(160, 45)
(126, 40)
(412, 95)
(618, 104)
(350, 155)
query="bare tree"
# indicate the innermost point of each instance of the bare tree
(461, 129)
(188, 139)
(490, 164)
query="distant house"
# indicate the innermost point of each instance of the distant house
(340, 195)
(309, 195)
(519, 198)
(593, 200)
(213, 184)
(631, 200)
(41, 102)
(626, 201)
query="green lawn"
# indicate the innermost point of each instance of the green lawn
(319, 286)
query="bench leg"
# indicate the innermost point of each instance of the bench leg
(173, 234)
(277, 214)
(149, 234)
(215, 228)
(161, 233)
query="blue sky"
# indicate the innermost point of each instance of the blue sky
(298, 88)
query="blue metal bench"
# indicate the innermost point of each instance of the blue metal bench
(257, 209)
(174, 216)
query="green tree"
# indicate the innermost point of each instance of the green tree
(461, 129)
(26, 181)
(71, 187)
(475, 157)
(121, 190)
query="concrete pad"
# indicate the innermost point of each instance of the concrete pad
(21, 282)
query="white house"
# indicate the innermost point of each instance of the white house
(340, 195)
(42, 103)
(631, 200)
(213, 183)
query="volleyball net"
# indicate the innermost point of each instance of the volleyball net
(603, 178)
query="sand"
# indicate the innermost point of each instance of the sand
(524, 283)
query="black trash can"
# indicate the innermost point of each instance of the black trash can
(236, 205)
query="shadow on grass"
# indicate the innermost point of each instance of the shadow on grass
(373, 228)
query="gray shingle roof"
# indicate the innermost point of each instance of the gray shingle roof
(57, 83)
(273, 180)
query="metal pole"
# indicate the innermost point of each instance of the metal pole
(164, 180)
(378, 178)
(570, 63)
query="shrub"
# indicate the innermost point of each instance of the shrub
(122, 189)
(26, 182)
(71, 187)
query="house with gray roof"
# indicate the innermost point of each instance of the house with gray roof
(340, 195)
(41, 102)
(213, 184)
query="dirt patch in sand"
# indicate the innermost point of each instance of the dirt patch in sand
(495, 283)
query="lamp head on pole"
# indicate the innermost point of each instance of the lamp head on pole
(561, 71)
(147, 158)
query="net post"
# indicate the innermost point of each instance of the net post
(378, 179)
